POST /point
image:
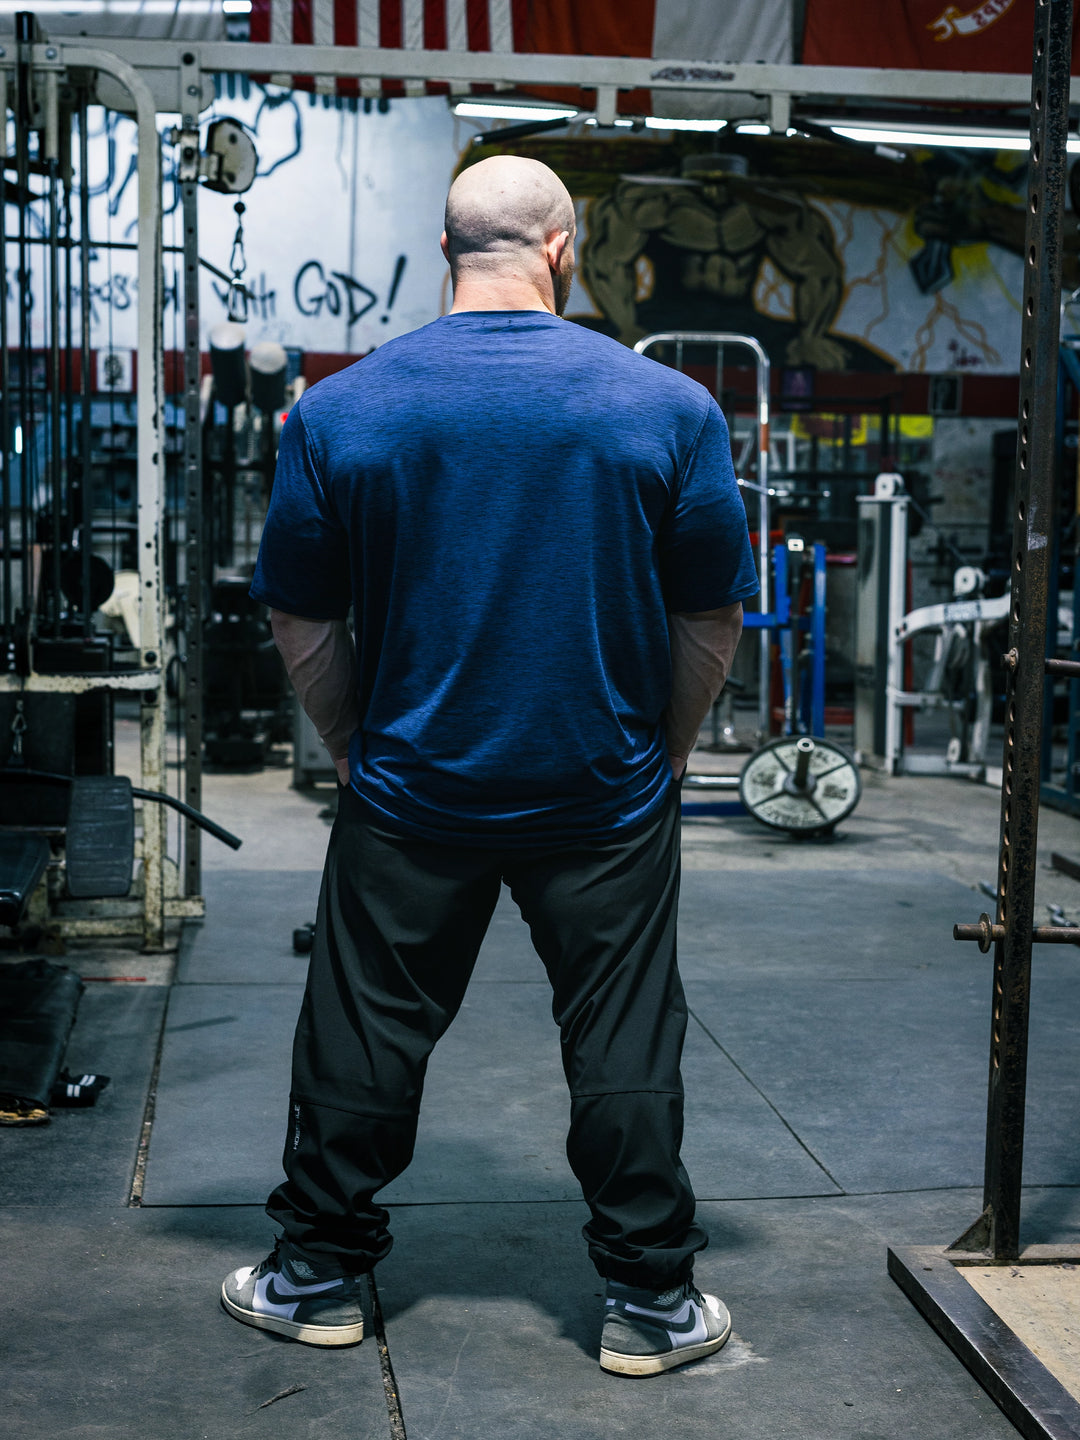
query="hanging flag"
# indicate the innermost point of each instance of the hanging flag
(990, 36)
(711, 30)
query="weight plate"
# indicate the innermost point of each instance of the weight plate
(831, 795)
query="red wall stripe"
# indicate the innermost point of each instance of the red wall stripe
(260, 22)
(391, 29)
(302, 29)
(390, 25)
(345, 25)
(476, 20)
(434, 24)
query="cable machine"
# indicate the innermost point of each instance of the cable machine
(65, 815)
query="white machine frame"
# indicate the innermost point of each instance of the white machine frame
(943, 618)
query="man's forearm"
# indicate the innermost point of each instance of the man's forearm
(702, 648)
(320, 659)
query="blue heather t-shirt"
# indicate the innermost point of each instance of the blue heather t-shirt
(510, 503)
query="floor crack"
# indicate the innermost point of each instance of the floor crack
(390, 1388)
(142, 1155)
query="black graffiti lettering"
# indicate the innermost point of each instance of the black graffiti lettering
(262, 301)
(352, 288)
(120, 297)
(313, 291)
(310, 289)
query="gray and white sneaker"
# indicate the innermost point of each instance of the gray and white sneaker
(286, 1295)
(646, 1333)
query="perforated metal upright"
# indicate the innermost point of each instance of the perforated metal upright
(1036, 1402)
(194, 579)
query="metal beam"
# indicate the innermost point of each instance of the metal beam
(583, 71)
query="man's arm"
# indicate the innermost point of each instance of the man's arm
(702, 648)
(320, 658)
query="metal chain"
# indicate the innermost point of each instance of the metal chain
(18, 730)
(236, 301)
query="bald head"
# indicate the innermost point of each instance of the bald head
(505, 208)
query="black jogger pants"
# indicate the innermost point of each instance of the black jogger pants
(399, 926)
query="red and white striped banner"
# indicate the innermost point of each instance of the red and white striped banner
(709, 30)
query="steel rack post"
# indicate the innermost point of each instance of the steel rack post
(192, 486)
(1032, 1397)
(5, 386)
(56, 473)
(998, 1229)
(817, 643)
(24, 26)
(86, 535)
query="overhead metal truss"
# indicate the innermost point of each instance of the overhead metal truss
(159, 62)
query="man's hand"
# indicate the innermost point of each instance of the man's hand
(702, 649)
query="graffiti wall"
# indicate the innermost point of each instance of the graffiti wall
(340, 231)
(833, 257)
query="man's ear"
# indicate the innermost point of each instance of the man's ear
(554, 247)
(444, 246)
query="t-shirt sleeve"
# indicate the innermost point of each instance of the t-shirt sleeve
(705, 557)
(303, 564)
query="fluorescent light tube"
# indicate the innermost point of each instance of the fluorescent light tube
(476, 110)
(958, 139)
(659, 122)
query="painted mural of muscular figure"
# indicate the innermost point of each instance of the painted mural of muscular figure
(706, 241)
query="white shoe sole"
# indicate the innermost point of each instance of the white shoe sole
(306, 1334)
(657, 1364)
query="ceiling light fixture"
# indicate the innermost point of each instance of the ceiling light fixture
(659, 122)
(477, 110)
(956, 139)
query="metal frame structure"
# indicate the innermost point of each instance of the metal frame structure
(774, 85)
(720, 339)
(889, 627)
(170, 67)
(40, 66)
(1032, 1398)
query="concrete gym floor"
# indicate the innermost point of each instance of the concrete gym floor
(836, 1074)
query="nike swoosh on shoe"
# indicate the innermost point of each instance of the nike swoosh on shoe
(280, 1292)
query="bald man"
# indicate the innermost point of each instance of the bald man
(542, 543)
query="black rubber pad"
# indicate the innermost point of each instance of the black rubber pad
(22, 863)
(100, 837)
